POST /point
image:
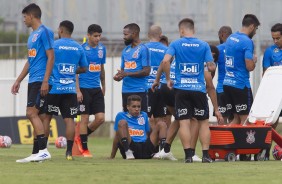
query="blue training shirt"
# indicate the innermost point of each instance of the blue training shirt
(157, 53)
(39, 41)
(68, 56)
(190, 55)
(220, 68)
(238, 48)
(138, 127)
(132, 60)
(95, 58)
(172, 73)
(272, 57)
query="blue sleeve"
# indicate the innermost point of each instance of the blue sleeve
(266, 62)
(249, 49)
(83, 61)
(122, 61)
(118, 118)
(171, 49)
(47, 38)
(145, 56)
(208, 54)
(104, 55)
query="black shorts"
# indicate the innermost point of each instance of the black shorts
(223, 107)
(168, 95)
(240, 99)
(156, 106)
(144, 103)
(34, 98)
(191, 104)
(66, 103)
(93, 101)
(141, 150)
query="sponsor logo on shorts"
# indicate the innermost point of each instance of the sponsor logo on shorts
(34, 38)
(52, 108)
(182, 112)
(221, 109)
(41, 102)
(130, 65)
(229, 61)
(94, 67)
(66, 80)
(199, 112)
(189, 68)
(141, 121)
(65, 68)
(241, 107)
(135, 132)
(149, 108)
(251, 137)
(228, 106)
(73, 110)
(32, 52)
(82, 108)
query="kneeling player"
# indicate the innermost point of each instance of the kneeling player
(132, 129)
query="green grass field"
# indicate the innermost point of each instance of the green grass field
(100, 169)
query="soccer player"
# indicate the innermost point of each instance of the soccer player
(135, 66)
(39, 67)
(190, 90)
(132, 130)
(70, 60)
(239, 61)
(225, 109)
(273, 57)
(92, 88)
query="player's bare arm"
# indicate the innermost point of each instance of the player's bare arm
(114, 147)
(49, 67)
(102, 78)
(158, 77)
(166, 69)
(211, 66)
(212, 94)
(16, 86)
(142, 73)
(79, 95)
(251, 63)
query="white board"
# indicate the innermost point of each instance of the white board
(267, 104)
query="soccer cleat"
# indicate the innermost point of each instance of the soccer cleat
(129, 155)
(156, 156)
(166, 156)
(41, 156)
(69, 156)
(188, 160)
(196, 158)
(77, 140)
(27, 159)
(207, 159)
(86, 153)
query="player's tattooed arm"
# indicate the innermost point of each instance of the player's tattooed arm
(102, 78)
(141, 73)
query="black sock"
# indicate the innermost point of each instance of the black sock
(188, 153)
(89, 131)
(124, 143)
(267, 153)
(167, 147)
(193, 151)
(69, 146)
(46, 141)
(41, 142)
(84, 139)
(162, 143)
(205, 153)
(35, 148)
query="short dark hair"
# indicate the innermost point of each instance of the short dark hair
(214, 50)
(225, 29)
(68, 25)
(164, 40)
(250, 19)
(277, 28)
(186, 22)
(133, 27)
(94, 28)
(33, 9)
(133, 98)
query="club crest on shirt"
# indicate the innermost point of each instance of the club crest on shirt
(34, 38)
(251, 137)
(141, 121)
(100, 54)
(276, 50)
